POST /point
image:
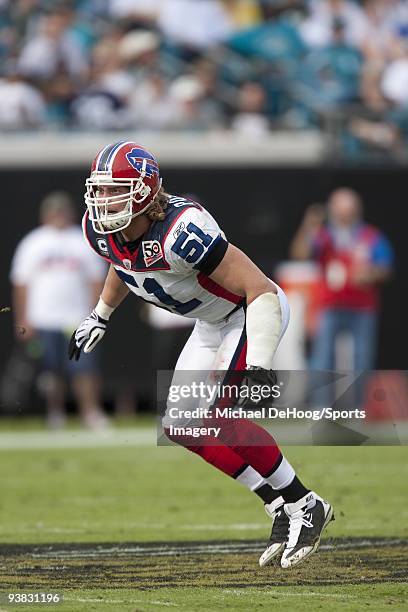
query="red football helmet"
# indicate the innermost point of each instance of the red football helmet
(124, 164)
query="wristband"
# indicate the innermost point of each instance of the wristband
(103, 310)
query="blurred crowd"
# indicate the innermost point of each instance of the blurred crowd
(245, 65)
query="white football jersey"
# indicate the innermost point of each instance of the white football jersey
(169, 265)
(57, 269)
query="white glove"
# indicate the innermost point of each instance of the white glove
(87, 336)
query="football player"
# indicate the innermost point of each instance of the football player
(170, 251)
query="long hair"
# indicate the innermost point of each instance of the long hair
(159, 205)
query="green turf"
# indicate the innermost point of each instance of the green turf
(120, 494)
(352, 598)
(139, 494)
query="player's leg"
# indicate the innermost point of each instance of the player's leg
(324, 341)
(258, 448)
(52, 380)
(331, 323)
(363, 327)
(86, 386)
(198, 356)
(254, 444)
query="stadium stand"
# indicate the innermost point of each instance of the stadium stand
(180, 65)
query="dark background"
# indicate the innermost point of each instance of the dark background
(259, 209)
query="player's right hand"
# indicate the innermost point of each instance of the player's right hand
(87, 335)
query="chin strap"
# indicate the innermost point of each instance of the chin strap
(264, 326)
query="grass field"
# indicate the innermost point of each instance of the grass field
(128, 526)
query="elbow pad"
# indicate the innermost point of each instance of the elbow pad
(264, 326)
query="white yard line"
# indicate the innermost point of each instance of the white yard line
(132, 601)
(130, 526)
(276, 591)
(32, 440)
(171, 549)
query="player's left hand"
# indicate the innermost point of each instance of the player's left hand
(259, 377)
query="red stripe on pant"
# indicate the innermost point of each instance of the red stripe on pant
(240, 442)
(210, 449)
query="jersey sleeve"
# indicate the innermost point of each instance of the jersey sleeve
(195, 242)
(382, 252)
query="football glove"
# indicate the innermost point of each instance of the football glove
(87, 335)
(256, 376)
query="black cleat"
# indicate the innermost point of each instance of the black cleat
(279, 533)
(308, 517)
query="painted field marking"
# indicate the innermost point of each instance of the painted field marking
(120, 601)
(197, 548)
(250, 592)
(41, 440)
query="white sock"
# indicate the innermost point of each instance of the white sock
(251, 479)
(282, 476)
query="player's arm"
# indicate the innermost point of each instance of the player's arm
(238, 274)
(379, 270)
(371, 275)
(93, 328)
(241, 276)
(23, 267)
(302, 246)
(23, 329)
(114, 290)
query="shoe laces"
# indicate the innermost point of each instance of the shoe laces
(307, 520)
(301, 519)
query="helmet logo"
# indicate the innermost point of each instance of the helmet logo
(136, 157)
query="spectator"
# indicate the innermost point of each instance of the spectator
(193, 26)
(344, 56)
(54, 50)
(22, 106)
(250, 119)
(356, 259)
(23, 15)
(140, 53)
(317, 29)
(193, 111)
(150, 105)
(243, 13)
(139, 12)
(394, 83)
(382, 30)
(104, 104)
(329, 75)
(394, 19)
(52, 272)
(276, 39)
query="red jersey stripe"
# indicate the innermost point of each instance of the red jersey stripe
(207, 283)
